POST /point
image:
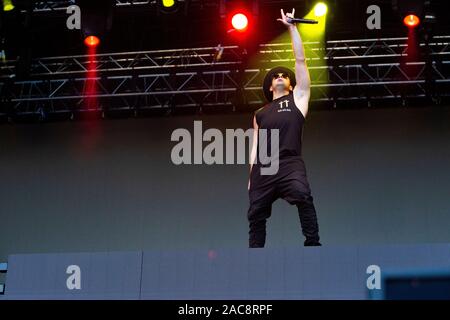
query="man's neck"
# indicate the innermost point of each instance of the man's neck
(277, 95)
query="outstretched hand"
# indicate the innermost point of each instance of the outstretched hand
(285, 18)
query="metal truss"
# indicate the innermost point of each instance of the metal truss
(61, 5)
(356, 50)
(52, 5)
(213, 77)
(132, 62)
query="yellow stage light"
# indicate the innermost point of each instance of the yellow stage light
(320, 9)
(7, 5)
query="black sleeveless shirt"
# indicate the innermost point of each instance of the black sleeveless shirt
(282, 114)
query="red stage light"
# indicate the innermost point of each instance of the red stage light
(411, 21)
(91, 41)
(239, 21)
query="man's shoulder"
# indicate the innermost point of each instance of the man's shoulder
(260, 109)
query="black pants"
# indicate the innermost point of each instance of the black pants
(291, 190)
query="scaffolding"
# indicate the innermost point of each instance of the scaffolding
(224, 76)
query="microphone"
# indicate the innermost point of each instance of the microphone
(298, 20)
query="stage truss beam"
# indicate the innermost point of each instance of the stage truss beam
(344, 70)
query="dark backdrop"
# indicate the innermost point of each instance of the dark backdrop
(378, 176)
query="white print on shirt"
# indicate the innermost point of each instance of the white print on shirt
(282, 103)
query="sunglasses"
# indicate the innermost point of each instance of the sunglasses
(277, 75)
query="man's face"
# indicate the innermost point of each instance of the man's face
(280, 82)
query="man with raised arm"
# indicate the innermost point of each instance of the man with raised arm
(288, 95)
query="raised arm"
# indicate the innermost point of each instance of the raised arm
(254, 147)
(303, 87)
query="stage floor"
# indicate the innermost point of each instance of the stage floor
(328, 272)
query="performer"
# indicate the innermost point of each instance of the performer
(286, 111)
